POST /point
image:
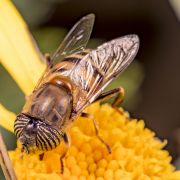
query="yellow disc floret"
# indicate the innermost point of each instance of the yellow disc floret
(136, 153)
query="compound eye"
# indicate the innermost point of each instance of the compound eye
(20, 122)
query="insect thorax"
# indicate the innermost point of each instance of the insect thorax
(51, 103)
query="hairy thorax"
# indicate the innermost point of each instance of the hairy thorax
(51, 103)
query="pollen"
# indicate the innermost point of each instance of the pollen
(136, 152)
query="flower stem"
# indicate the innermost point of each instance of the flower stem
(6, 162)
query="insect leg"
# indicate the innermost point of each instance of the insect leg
(48, 61)
(41, 156)
(66, 141)
(117, 92)
(90, 116)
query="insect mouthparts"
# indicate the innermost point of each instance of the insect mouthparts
(25, 147)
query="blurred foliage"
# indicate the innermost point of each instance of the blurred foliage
(49, 38)
(11, 96)
(13, 99)
(36, 12)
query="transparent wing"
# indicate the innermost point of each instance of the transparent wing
(98, 68)
(77, 38)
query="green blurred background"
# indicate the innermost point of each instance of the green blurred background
(151, 82)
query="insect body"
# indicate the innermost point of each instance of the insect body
(75, 78)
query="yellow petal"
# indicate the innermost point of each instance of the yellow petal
(18, 54)
(7, 118)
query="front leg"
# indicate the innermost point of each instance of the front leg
(90, 116)
(66, 141)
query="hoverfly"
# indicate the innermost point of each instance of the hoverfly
(75, 77)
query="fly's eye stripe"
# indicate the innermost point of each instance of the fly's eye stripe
(18, 132)
(39, 143)
(49, 135)
(52, 140)
(19, 125)
(46, 136)
(42, 141)
(20, 122)
(56, 135)
(19, 119)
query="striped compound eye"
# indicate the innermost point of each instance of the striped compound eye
(32, 131)
(19, 124)
(47, 137)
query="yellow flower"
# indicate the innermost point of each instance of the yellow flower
(136, 153)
